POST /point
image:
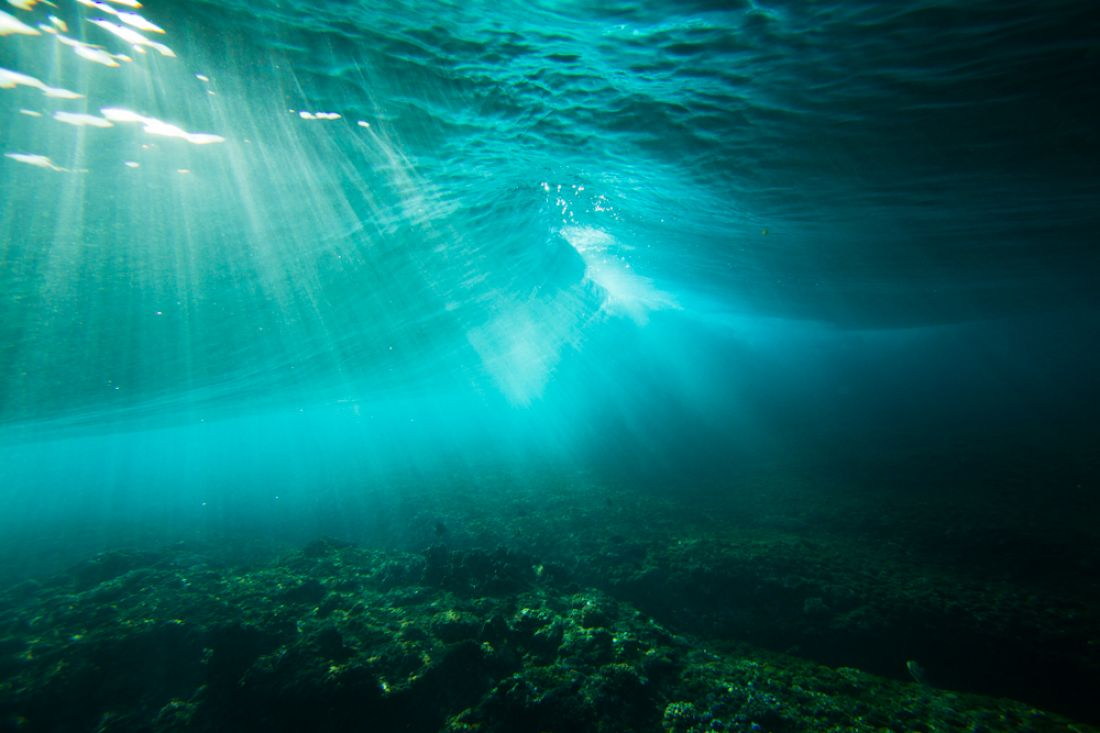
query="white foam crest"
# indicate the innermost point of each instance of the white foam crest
(80, 119)
(38, 161)
(10, 25)
(624, 291)
(132, 37)
(153, 126)
(11, 79)
(92, 52)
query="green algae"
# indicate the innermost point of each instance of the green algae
(338, 637)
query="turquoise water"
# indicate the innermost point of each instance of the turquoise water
(551, 216)
(310, 245)
(269, 267)
(564, 166)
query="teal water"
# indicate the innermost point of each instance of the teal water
(662, 237)
(356, 238)
(285, 258)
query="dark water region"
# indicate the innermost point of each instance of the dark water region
(556, 366)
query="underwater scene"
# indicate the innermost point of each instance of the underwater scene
(549, 366)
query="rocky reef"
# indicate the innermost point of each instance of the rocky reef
(339, 637)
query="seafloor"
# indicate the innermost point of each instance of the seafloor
(572, 604)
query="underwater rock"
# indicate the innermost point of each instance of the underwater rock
(682, 717)
(593, 613)
(494, 630)
(108, 565)
(308, 591)
(452, 626)
(323, 547)
(476, 571)
(588, 647)
(231, 650)
(446, 644)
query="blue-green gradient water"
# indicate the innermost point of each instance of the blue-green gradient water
(285, 252)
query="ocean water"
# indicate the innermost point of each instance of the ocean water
(466, 275)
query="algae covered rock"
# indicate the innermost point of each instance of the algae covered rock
(339, 638)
